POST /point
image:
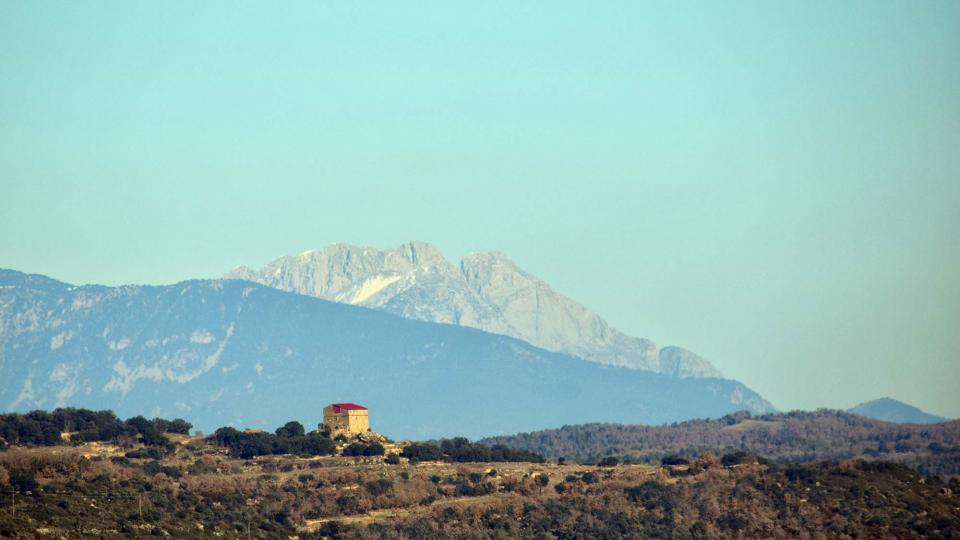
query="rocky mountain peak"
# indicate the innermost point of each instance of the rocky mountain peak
(418, 252)
(489, 259)
(683, 363)
(488, 291)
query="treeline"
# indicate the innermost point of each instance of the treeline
(287, 439)
(462, 450)
(42, 428)
(793, 437)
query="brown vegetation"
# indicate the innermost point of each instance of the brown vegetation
(199, 490)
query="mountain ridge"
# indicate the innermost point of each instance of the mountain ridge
(232, 352)
(486, 290)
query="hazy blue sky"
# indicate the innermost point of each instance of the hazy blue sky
(775, 185)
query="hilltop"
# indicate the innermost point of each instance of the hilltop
(891, 410)
(788, 437)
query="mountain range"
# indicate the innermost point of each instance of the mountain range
(234, 352)
(487, 291)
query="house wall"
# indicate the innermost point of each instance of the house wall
(359, 421)
(351, 421)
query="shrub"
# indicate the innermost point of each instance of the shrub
(145, 453)
(378, 487)
(355, 449)
(22, 481)
(651, 495)
(736, 458)
(674, 459)
(609, 461)
(152, 468)
(349, 504)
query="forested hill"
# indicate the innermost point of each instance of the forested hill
(789, 437)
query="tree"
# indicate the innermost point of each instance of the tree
(542, 481)
(148, 431)
(422, 452)
(291, 429)
(374, 449)
(178, 425)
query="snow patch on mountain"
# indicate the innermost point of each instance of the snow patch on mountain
(25, 396)
(119, 345)
(371, 287)
(181, 367)
(125, 377)
(58, 340)
(67, 376)
(201, 335)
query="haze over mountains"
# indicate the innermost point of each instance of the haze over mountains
(891, 410)
(486, 291)
(231, 352)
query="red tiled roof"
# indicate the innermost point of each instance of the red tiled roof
(348, 406)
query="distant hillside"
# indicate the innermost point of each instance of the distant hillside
(891, 410)
(229, 352)
(487, 291)
(789, 437)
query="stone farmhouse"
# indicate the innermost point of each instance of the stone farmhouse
(347, 418)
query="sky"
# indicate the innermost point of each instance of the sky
(774, 185)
